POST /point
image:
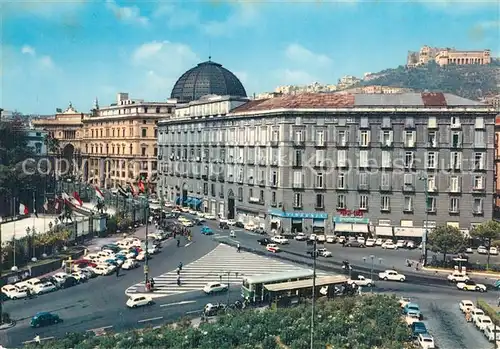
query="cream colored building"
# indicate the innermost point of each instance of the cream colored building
(445, 56)
(119, 141)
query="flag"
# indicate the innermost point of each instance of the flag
(23, 210)
(141, 186)
(58, 204)
(46, 205)
(77, 198)
(98, 193)
(122, 191)
(67, 199)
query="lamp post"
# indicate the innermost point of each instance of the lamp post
(424, 237)
(372, 257)
(146, 262)
(313, 304)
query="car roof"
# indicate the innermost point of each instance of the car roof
(41, 313)
(413, 305)
(467, 301)
(426, 335)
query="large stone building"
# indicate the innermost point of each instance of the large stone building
(445, 56)
(349, 163)
(119, 141)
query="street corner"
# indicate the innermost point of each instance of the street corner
(7, 325)
(146, 294)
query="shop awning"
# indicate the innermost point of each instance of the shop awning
(383, 231)
(409, 232)
(318, 222)
(360, 228)
(343, 228)
(195, 202)
(187, 201)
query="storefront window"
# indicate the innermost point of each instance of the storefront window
(296, 225)
(318, 226)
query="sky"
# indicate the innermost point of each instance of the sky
(56, 51)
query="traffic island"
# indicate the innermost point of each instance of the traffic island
(7, 325)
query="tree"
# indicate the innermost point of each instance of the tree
(487, 232)
(446, 239)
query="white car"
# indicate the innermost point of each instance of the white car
(426, 341)
(361, 240)
(300, 237)
(476, 312)
(223, 220)
(379, 242)
(490, 334)
(410, 245)
(324, 253)
(44, 288)
(312, 237)
(482, 250)
(330, 239)
(370, 242)
(199, 214)
(60, 277)
(470, 285)
(321, 238)
(272, 248)
(153, 249)
(14, 292)
(469, 250)
(400, 243)
(141, 256)
(482, 322)
(192, 212)
(80, 276)
(250, 226)
(493, 251)
(210, 217)
(32, 283)
(130, 264)
(403, 301)
(214, 287)
(188, 224)
(102, 269)
(127, 253)
(458, 277)
(139, 301)
(466, 305)
(389, 245)
(391, 275)
(22, 286)
(231, 222)
(361, 281)
(279, 239)
(342, 239)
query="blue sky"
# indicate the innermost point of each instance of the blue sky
(53, 52)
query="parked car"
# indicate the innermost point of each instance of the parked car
(342, 239)
(410, 245)
(389, 245)
(418, 328)
(14, 292)
(414, 308)
(260, 231)
(331, 239)
(223, 225)
(482, 250)
(482, 322)
(400, 243)
(239, 224)
(300, 237)
(412, 317)
(130, 264)
(493, 251)
(466, 305)
(470, 285)
(391, 275)
(370, 242)
(426, 341)
(136, 301)
(323, 252)
(354, 243)
(273, 248)
(321, 239)
(80, 276)
(44, 318)
(264, 241)
(490, 334)
(312, 237)
(476, 312)
(361, 240)
(379, 242)
(469, 250)
(215, 287)
(113, 247)
(45, 287)
(279, 239)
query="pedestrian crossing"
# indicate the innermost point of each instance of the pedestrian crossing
(222, 264)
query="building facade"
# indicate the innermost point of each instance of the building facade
(344, 163)
(445, 56)
(119, 142)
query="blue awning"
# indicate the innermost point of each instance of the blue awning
(178, 200)
(196, 202)
(187, 201)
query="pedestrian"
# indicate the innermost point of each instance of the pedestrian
(180, 265)
(178, 242)
(117, 271)
(238, 248)
(359, 291)
(152, 284)
(37, 339)
(28, 293)
(178, 280)
(498, 303)
(178, 271)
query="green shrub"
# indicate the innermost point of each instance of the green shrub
(489, 310)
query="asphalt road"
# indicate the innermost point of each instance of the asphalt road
(100, 303)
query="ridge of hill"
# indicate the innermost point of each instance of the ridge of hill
(468, 81)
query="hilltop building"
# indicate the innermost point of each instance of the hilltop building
(445, 56)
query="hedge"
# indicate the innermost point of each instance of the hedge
(489, 310)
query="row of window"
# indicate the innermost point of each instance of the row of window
(117, 149)
(262, 134)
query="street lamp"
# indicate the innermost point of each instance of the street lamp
(314, 254)
(372, 257)
(425, 178)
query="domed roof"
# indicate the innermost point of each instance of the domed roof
(207, 78)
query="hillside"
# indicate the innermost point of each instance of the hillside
(469, 81)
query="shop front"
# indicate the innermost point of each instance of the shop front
(409, 232)
(250, 217)
(382, 231)
(297, 222)
(352, 226)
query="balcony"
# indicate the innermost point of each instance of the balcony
(432, 144)
(454, 167)
(273, 184)
(342, 144)
(385, 209)
(190, 174)
(297, 205)
(320, 186)
(386, 144)
(297, 164)
(204, 177)
(240, 180)
(213, 177)
(363, 187)
(453, 211)
(299, 143)
(320, 144)
(409, 144)
(386, 188)
(408, 210)
(343, 187)
(250, 162)
(298, 185)
(431, 210)
(275, 163)
(320, 207)
(230, 179)
(477, 212)
(262, 162)
(408, 188)
(274, 143)
(478, 145)
(262, 183)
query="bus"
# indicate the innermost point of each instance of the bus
(253, 291)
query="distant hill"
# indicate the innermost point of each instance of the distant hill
(469, 81)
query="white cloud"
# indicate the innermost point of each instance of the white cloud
(299, 54)
(159, 64)
(46, 62)
(129, 14)
(245, 15)
(26, 49)
(294, 77)
(45, 9)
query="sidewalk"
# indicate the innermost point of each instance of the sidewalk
(489, 275)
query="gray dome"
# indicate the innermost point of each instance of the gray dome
(207, 78)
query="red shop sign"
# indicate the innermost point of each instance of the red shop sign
(350, 213)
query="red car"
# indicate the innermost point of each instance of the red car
(83, 263)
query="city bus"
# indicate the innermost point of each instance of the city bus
(253, 291)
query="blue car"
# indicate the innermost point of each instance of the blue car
(418, 328)
(412, 308)
(121, 257)
(206, 230)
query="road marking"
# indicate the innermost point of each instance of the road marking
(99, 329)
(193, 312)
(188, 244)
(178, 303)
(41, 340)
(151, 319)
